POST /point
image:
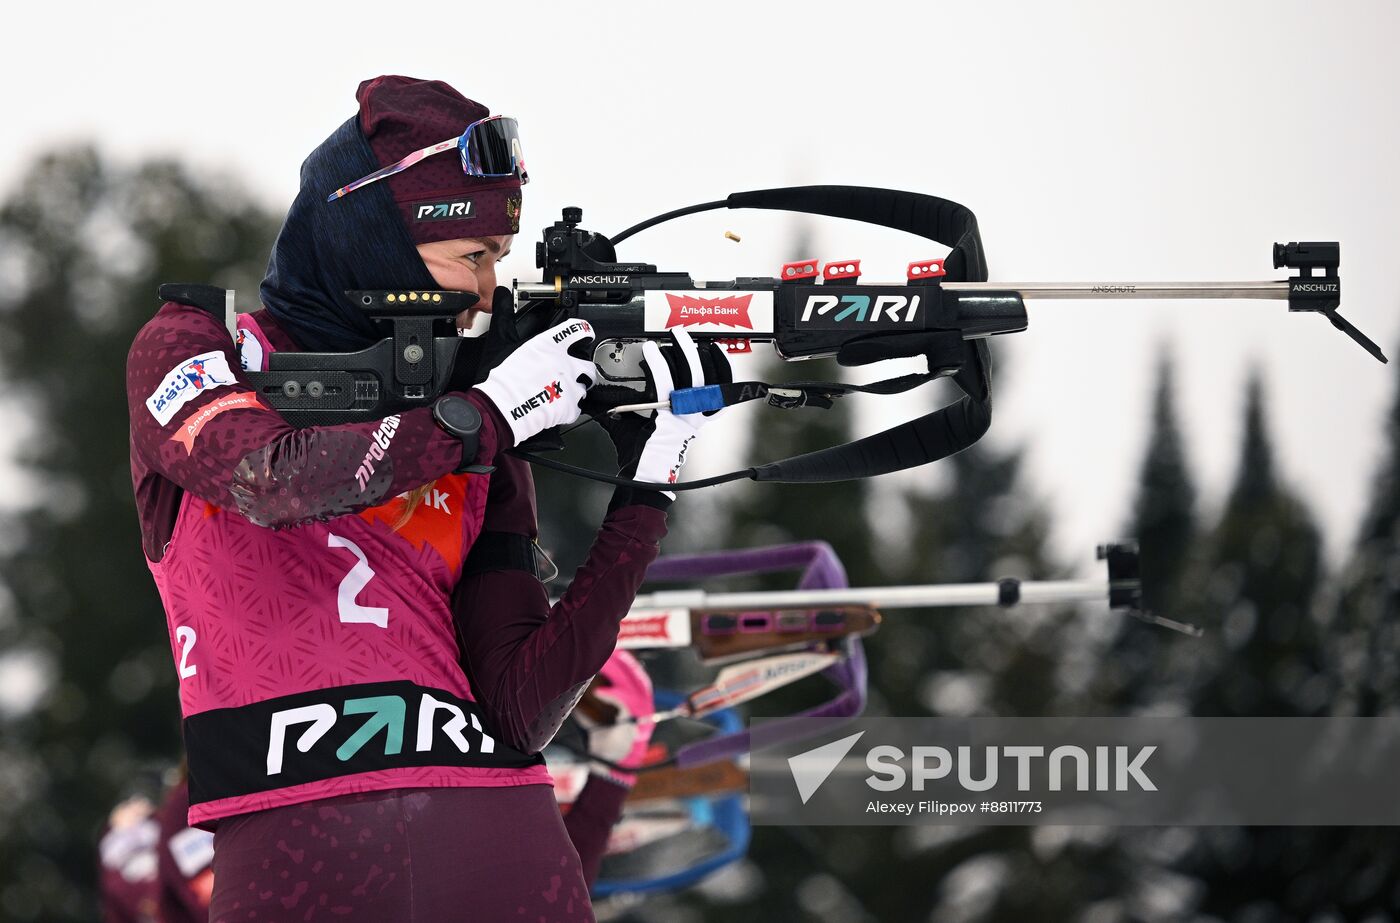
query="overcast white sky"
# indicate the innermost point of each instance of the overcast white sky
(1095, 141)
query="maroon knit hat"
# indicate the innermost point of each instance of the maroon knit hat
(400, 115)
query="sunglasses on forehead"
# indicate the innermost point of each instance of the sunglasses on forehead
(490, 147)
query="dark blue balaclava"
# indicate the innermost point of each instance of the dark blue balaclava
(326, 248)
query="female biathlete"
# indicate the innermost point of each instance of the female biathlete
(369, 665)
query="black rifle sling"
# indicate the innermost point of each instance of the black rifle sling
(936, 435)
(916, 442)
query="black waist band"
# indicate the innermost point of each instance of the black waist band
(312, 736)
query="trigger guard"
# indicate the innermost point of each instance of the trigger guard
(619, 363)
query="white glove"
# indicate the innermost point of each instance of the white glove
(540, 384)
(663, 454)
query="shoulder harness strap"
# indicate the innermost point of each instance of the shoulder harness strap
(208, 298)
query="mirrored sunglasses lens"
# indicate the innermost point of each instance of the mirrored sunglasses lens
(492, 148)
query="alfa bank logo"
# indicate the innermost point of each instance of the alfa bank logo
(645, 628)
(721, 312)
(689, 310)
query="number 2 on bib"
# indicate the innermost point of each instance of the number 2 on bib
(185, 637)
(350, 586)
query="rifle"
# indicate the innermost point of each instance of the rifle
(722, 627)
(839, 659)
(944, 311)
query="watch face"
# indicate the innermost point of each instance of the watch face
(458, 414)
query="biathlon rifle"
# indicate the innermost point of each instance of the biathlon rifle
(722, 627)
(840, 659)
(944, 311)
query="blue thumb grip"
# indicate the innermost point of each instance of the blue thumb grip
(696, 400)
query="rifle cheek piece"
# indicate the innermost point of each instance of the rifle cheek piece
(411, 367)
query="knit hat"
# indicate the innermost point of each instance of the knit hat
(400, 115)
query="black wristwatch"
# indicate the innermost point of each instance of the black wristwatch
(457, 416)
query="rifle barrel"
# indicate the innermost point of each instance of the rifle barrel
(1041, 290)
(1264, 290)
(891, 597)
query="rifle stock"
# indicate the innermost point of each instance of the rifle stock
(722, 634)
